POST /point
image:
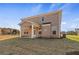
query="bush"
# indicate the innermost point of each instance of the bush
(71, 33)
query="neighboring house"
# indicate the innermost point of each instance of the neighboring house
(6, 31)
(0, 31)
(77, 31)
(63, 34)
(44, 25)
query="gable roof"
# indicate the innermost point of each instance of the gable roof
(34, 18)
(44, 14)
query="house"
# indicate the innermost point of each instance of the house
(6, 31)
(63, 34)
(77, 31)
(0, 31)
(44, 25)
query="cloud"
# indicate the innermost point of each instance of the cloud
(63, 23)
(76, 19)
(73, 26)
(52, 6)
(36, 9)
(58, 5)
(64, 6)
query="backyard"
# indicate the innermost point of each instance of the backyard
(24, 46)
(73, 37)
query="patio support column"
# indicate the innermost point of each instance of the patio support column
(32, 31)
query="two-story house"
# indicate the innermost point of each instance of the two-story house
(44, 25)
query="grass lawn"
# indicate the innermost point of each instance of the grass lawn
(73, 37)
(4, 37)
(25, 46)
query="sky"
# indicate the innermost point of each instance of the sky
(11, 13)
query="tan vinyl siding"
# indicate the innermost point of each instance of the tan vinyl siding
(54, 20)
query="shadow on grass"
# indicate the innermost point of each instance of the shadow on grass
(73, 41)
(75, 52)
(72, 53)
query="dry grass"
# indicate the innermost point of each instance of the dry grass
(32, 46)
(4, 37)
(73, 37)
(23, 46)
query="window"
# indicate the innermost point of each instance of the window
(40, 32)
(30, 26)
(25, 32)
(34, 32)
(42, 18)
(54, 32)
